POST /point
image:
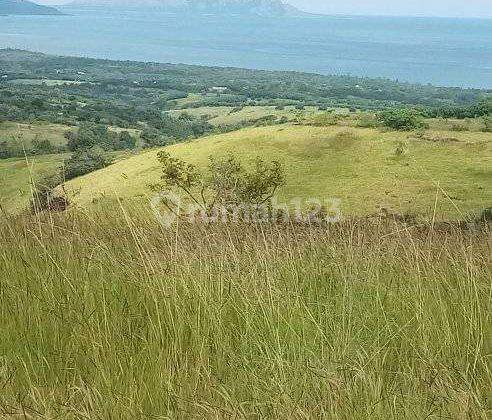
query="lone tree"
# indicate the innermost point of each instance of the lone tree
(226, 182)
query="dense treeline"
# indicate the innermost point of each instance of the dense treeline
(85, 137)
(56, 105)
(118, 92)
(89, 136)
(479, 109)
(13, 147)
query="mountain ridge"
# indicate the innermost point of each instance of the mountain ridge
(247, 7)
(25, 7)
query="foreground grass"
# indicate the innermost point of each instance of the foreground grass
(114, 317)
(444, 175)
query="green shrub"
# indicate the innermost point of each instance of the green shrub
(90, 135)
(84, 161)
(226, 182)
(11, 148)
(367, 121)
(44, 195)
(487, 121)
(152, 138)
(123, 141)
(401, 119)
(325, 120)
(87, 136)
(43, 147)
(264, 121)
(5, 152)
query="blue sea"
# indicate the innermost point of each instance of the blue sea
(440, 51)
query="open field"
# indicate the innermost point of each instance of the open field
(106, 315)
(46, 82)
(467, 124)
(227, 115)
(442, 175)
(26, 133)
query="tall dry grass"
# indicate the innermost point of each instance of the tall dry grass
(110, 316)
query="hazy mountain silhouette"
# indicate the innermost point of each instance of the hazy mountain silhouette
(257, 7)
(24, 7)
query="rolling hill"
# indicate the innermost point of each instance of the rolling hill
(24, 7)
(362, 167)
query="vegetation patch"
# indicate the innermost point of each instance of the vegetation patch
(316, 165)
(261, 321)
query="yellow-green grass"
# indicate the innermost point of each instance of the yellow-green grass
(105, 315)
(188, 100)
(208, 111)
(55, 133)
(26, 133)
(47, 82)
(467, 124)
(225, 115)
(17, 175)
(444, 175)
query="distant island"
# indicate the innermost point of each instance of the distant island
(227, 7)
(25, 7)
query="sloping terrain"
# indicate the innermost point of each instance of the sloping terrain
(17, 176)
(444, 172)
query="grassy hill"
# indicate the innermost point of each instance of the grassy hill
(107, 315)
(17, 174)
(443, 172)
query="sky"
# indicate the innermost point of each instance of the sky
(451, 8)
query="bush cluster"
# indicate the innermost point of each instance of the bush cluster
(401, 119)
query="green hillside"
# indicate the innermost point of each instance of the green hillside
(367, 169)
(17, 175)
(107, 314)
